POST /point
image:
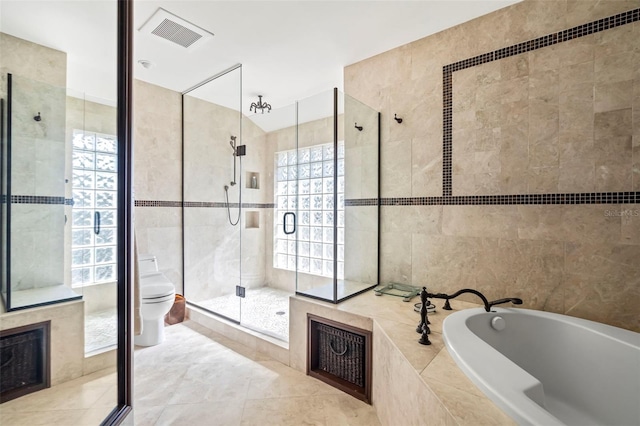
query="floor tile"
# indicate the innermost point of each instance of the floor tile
(196, 377)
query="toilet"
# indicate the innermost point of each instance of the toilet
(158, 295)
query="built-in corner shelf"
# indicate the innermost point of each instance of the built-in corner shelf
(252, 220)
(253, 180)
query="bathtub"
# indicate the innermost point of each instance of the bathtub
(548, 369)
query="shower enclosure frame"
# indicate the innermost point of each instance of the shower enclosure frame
(182, 113)
(334, 289)
(335, 299)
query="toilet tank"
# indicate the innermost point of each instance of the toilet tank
(147, 263)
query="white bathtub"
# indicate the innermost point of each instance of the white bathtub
(549, 369)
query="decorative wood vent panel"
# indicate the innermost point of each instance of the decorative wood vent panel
(24, 360)
(340, 355)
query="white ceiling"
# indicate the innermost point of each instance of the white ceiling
(289, 50)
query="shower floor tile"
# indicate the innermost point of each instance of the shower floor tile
(100, 330)
(264, 309)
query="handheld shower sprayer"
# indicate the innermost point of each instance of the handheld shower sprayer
(237, 152)
(232, 142)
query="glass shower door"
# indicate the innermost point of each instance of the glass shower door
(269, 196)
(212, 191)
(318, 198)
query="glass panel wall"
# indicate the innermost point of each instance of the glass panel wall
(337, 236)
(281, 215)
(36, 196)
(266, 305)
(361, 188)
(212, 192)
(41, 190)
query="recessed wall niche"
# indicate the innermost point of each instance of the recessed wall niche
(252, 220)
(253, 180)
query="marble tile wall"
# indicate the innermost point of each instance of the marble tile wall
(158, 176)
(360, 181)
(208, 166)
(559, 119)
(212, 244)
(67, 336)
(556, 119)
(38, 159)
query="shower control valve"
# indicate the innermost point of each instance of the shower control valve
(241, 150)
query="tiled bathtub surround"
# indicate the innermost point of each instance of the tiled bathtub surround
(540, 197)
(548, 115)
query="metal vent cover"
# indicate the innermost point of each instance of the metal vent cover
(175, 29)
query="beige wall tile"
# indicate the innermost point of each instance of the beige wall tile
(613, 96)
(158, 148)
(573, 148)
(614, 68)
(33, 61)
(603, 274)
(630, 218)
(575, 52)
(479, 221)
(67, 336)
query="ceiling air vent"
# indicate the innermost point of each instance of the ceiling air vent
(170, 27)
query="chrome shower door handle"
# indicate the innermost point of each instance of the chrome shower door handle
(284, 218)
(96, 223)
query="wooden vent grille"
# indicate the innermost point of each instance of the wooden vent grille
(340, 355)
(24, 360)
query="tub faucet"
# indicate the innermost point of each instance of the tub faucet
(423, 326)
(514, 300)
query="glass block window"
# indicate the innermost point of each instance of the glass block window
(93, 217)
(304, 185)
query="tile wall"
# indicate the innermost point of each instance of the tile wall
(38, 161)
(212, 245)
(157, 176)
(518, 176)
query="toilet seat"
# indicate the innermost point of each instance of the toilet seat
(157, 294)
(156, 288)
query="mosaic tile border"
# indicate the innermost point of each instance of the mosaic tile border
(157, 203)
(516, 49)
(37, 199)
(569, 198)
(160, 203)
(353, 202)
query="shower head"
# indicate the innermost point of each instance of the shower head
(226, 187)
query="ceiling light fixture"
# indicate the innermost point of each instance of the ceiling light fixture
(259, 106)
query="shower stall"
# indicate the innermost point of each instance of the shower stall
(58, 217)
(277, 203)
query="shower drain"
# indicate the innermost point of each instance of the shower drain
(280, 313)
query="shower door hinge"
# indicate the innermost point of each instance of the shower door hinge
(241, 150)
(239, 291)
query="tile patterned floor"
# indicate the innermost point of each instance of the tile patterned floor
(264, 309)
(196, 377)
